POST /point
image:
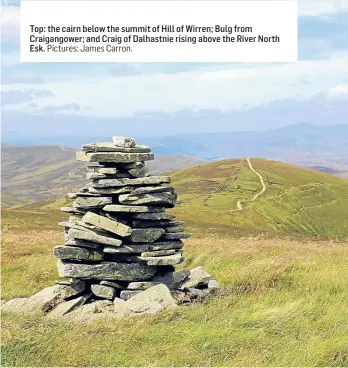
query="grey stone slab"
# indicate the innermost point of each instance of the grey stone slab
(82, 243)
(107, 271)
(149, 180)
(121, 141)
(146, 235)
(127, 294)
(153, 189)
(111, 191)
(132, 209)
(103, 291)
(117, 157)
(165, 199)
(107, 224)
(141, 285)
(159, 253)
(174, 229)
(87, 203)
(139, 172)
(163, 261)
(153, 216)
(173, 236)
(93, 237)
(75, 253)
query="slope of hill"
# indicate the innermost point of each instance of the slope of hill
(39, 173)
(296, 200)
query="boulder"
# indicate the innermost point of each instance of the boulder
(198, 277)
(173, 280)
(66, 307)
(150, 301)
(127, 294)
(103, 291)
(120, 141)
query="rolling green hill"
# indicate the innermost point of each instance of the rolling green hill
(296, 200)
(40, 173)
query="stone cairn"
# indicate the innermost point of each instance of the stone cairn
(120, 245)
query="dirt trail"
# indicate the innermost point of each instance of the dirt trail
(239, 203)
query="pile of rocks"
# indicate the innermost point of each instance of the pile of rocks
(120, 245)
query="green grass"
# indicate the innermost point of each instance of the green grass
(283, 302)
(297, 200)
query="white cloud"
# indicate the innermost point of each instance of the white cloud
(321, 7)
(220, 89)
(10, 20)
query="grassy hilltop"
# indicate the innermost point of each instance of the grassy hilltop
(283, 300)
(296, 200)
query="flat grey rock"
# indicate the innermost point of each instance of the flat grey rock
(174, 229)
(107, 224)
(132, 165)
(110, 191)
(173, 236)
(146, 247)
(149, 180)
(172, 279)
(153, 189)
(159, 253)
(110, 147)
(103, 291)
(147, 223)
(75, 218)
(163, 261)
(112, 284)
(141, 285)
(117, 157)
(146, 235)
(166, 199)
(97, 175)
(198, 277)
(139, 172)
(75, 253)
(93, 237)
(107, 271)
(91, 202)
(153, 216)
(121, 141)
(131, 209)
(127, 294)
(66, 307)
(73, 210)
(103, 170)
(149, 301)
(82, 243)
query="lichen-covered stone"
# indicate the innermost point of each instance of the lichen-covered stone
(93, 237)
(146, 235)
(163, 261)
(91, 202)
(139, 172)
(149, 301)
(141, 285)
(66, 307)
(116, 157)
(112, 284)
(153, 189)
(166, 199)
(107, 224)
(174, 229)
(127, 294)
(82, 243)
(158, 253)
(103, 291)
(149, 180)
(76, 253)
(110, 191)
(174, 236)
(121, 141)
(107, 271)
(172, 279)
(153, 216)
(131, 209)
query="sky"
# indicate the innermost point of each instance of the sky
(174, 98)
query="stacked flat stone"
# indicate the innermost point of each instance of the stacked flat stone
(119, 239)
